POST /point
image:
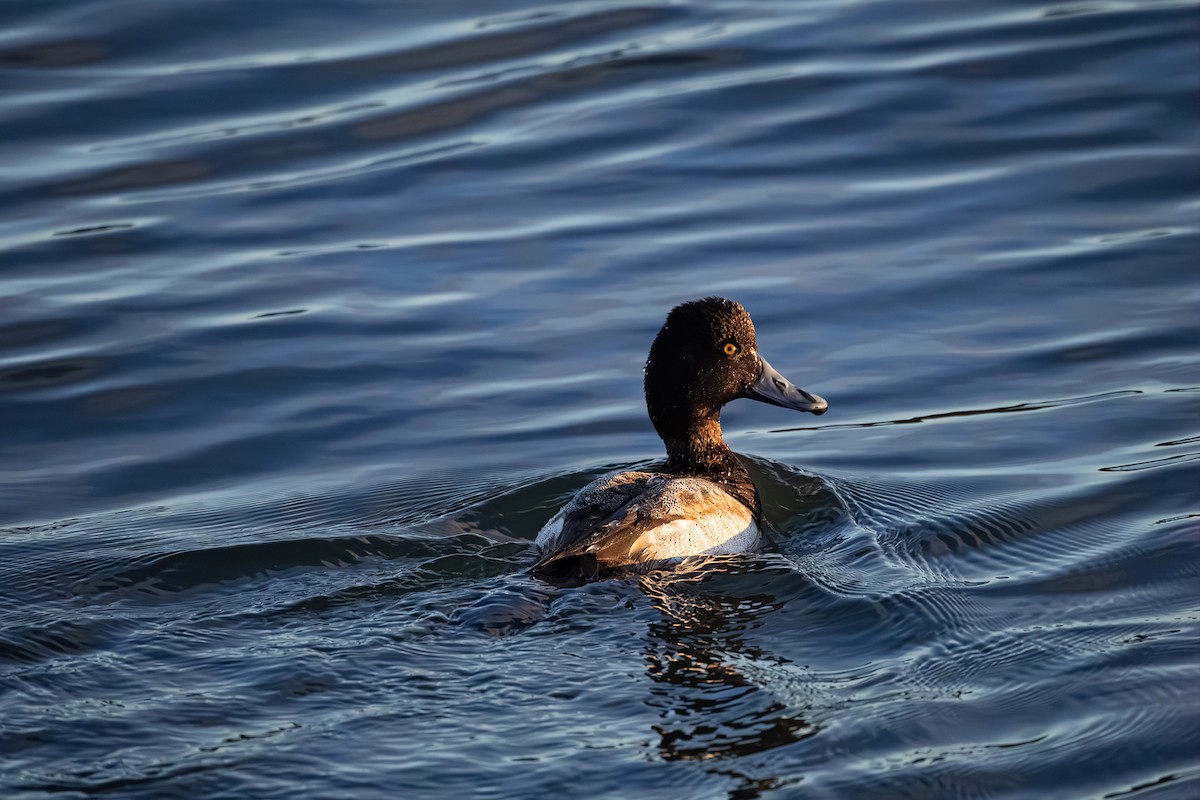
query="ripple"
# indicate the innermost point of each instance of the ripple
(53, 55)
(1153, 463)
(59, 638)
(58, 372)
(137, 176)
(1019, 407)
(92, 230)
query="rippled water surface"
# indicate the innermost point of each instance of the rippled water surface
(311, 313)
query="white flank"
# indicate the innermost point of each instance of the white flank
(548, 535)
(715, 533)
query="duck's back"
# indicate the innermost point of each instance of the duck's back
(637, 521)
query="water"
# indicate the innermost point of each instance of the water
(313, 313)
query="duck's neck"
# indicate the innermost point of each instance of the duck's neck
(697, 448)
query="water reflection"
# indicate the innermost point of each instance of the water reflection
(703, 668)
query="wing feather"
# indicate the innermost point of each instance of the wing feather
(613, 525)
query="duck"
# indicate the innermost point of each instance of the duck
(701, 500)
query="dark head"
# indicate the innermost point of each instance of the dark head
(706, 355)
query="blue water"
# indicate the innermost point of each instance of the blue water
(312, 313)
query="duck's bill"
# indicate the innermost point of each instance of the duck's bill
(773, 388)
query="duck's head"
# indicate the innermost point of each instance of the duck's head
(706, 355)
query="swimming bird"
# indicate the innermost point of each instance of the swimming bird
(701, 500)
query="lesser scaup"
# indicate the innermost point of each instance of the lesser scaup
(701, 500)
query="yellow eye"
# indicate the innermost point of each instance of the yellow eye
(730, 348)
